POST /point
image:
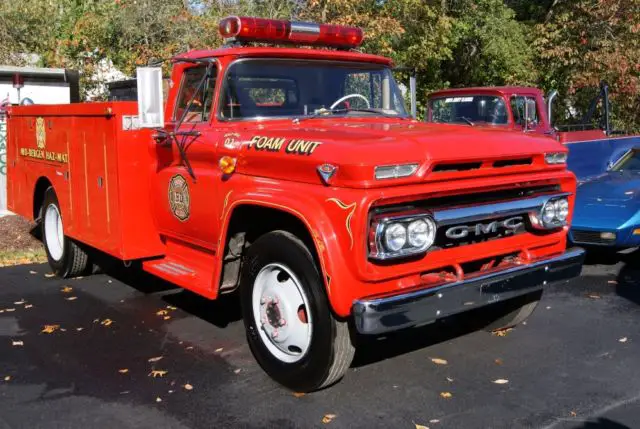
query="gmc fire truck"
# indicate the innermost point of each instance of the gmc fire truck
(295, 177)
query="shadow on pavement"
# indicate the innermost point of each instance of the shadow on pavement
(628, 286)
(602, 423)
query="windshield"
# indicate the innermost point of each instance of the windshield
(629, 162)
(486, 109)
(283, 88)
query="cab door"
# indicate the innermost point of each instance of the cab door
(186, 176)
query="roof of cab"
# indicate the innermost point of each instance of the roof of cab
(502, 90)
(270, 51)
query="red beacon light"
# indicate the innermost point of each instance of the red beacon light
(246, 29)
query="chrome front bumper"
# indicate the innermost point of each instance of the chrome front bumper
(380, 315)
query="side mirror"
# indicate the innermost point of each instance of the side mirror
(150, 99)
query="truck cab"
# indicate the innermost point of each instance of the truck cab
(295, 178)
(592, 151)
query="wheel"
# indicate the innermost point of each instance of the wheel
(291, 330)
(515, 311)
(64, 256)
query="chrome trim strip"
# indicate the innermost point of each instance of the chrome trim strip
(495, 210)
(379, 315)
(304, 31)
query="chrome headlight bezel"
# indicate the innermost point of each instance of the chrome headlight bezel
(380, 223)
(554, 205)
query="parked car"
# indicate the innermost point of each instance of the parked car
(607, 210)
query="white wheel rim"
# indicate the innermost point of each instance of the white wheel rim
(281, 312)
(53, 232)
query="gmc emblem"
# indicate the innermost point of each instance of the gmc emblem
(479, 229)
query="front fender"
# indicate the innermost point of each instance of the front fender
(327, 214)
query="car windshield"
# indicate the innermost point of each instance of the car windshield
(261, 88)
(629, 162)
(486, 109)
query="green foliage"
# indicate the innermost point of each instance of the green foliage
(566, 45)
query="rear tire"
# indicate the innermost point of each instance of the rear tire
(65, 257)
(524, 307)
(282, 292)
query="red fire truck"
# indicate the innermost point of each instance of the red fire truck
(295, 177)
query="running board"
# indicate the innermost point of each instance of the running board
(187, 266)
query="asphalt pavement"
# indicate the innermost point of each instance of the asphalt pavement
(98, 352)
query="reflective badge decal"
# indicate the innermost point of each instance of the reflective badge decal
(41, 133)
(179, 197)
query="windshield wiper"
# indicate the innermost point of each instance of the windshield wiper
(327, 112)
(467, 120)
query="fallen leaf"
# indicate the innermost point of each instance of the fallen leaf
(33, 272)
(450, 380)
(188, 387)
(20, 302)
(189, 348)
(1, 311)
(170, 391)
(123, 371)
(237, 371)
(420, 426)
(548, 307)
(9, 310)
(106, 322)
(50, 329)
(219, 350)
(298, 394)
(171, 307)
(594, 296)
(502, 332)
(157, 373)
(167, 317)
(71, 298)
(17, 343)
(623, 340)
(7, 378)
(446, 395)
(63, 330)
(109, 281)
(155, 359)
(573, 414)
(612, 282)
(79, 329)
(158, 399)
(162, 313)
(498, 361)
(500, 381)
(28, 306)
(328, 418)
(439, 361)
(49, 275)
(124, 392)
(434, 421)
(66, 289)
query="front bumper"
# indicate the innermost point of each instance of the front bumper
(385, 314)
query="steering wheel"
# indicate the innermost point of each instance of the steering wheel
(346, 97)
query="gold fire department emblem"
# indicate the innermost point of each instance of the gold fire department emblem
(179, 197)
(41, 134)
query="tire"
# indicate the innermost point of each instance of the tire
(281, 282)
(517, 311)
(65, 257)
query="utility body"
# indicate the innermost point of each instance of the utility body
(295, 177)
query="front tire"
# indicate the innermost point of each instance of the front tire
(65, 257)
(515, 311)
(290, 328)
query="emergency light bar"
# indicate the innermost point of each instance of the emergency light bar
(244, 29)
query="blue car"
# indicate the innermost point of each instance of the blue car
(607, 211)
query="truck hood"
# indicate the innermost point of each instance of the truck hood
(356, 147)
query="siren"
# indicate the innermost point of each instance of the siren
(246, 29)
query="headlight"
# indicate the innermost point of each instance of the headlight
(395, 237)
(562, 209)
(398, 235)
(553, 214)
(555, 158)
